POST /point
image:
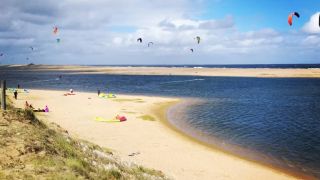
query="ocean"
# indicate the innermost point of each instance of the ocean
(275, 121)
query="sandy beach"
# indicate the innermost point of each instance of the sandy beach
(145, 135)
(179, 71)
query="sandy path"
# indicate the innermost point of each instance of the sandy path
(159, 147)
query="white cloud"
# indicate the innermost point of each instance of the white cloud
(225, 23)
(106, 31)
(312, 41)
(313, 26)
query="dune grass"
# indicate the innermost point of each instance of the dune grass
(147, 117)
(32, 149)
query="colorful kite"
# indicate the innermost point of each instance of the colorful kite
(291, 16)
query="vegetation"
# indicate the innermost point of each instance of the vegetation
(31, 149)
(147, 118)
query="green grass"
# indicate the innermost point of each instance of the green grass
(79, 166)
(147, 118)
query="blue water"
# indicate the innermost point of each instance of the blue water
(272, 120)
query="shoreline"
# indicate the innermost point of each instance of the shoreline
(160, 111)
(191, 137)
(168, 71)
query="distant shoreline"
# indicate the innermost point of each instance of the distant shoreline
(172, 71)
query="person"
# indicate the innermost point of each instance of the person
(26, 105)
(71, 91)
(38, 110)
(98, 92)
(18, 86)
(46, 109)
(15, 93)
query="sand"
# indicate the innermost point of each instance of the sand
(227, 72)
(154, 144)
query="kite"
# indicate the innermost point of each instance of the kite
(58, 40)
(31, 48)
(1, 54)
(198, 39)
(55, 30)
(150, 43)
(291, 16)
(191, 50)
(139, 40)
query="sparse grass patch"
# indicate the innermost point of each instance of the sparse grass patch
(79, 166)
(46, 161)
(64, 146)
(113, 174)
(147, 118)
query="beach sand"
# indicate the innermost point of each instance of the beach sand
(218, 72)
(154, 144)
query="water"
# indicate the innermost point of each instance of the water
(272, 120)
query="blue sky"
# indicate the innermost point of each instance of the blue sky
(254, 15)
(106, 32)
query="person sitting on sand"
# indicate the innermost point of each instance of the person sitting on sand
(28, 106)
(46, 109)
(38, 110)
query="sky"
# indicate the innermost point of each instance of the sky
(105, 32)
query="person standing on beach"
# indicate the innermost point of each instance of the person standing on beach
(18, 86)
(98, 92)
(15, 93)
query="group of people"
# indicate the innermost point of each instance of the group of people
(29, 106)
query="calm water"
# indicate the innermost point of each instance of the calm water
(274, 120)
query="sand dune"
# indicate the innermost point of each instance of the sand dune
(144, 136)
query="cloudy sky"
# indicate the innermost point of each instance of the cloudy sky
(106, 31)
